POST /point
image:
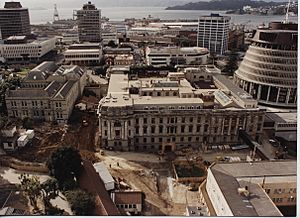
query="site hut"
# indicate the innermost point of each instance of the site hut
(106, 177)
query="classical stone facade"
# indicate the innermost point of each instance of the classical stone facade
(146, 114)
(47, 93)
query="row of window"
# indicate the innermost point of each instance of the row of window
(34, 104)
(282, 191)
(270, 60)
(126, 206)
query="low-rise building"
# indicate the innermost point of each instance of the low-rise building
(18, 49)
(124, 60)
(70, 38)
(164, 56)
(282, 125)
(47, 93)
(108, 36)
(250, 189)
(9, 137)
(128, 201)
(84, 54)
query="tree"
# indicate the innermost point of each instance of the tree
(8, 84)
(82, 203)
(49, 190)
(112, 44)
(31, 186)
(65, 165)
(231, 65)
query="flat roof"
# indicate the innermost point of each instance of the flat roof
(103, 172)
(283, 117)
(232, 87)
(118, 84)
(148, 100)
(258, 169)
(231, 176)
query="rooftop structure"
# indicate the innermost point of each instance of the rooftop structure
(269, 69)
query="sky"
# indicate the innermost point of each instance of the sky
(38, 4)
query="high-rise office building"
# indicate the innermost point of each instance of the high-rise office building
(89, 23)
(14, 20)
(213, 33)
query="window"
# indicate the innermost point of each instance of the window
(137, 130)
(153, 120)
(153, 129)
(160, 120)
(198, 128)
(145, 130)
(160, 139)
(191, 119)
(190, 129)
(152, 140)
(189, 139)
(161, 129)
(145, 120)
(145, 140)
(182, 129)
(183, 120)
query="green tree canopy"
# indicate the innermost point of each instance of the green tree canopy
(82, 203)
(65, 165)
(31, 186)
(232, 65)
(50, 190)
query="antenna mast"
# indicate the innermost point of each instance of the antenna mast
(287, 12)
(55, 15)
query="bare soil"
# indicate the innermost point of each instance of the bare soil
(48, 137)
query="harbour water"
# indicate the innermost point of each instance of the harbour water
(120, 13)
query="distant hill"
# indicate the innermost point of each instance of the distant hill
(222, 5)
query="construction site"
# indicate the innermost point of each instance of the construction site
(169, 179)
